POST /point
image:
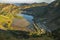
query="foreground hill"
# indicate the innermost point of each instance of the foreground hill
(10, 35)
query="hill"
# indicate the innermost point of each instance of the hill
(48, 14)
(8, 12)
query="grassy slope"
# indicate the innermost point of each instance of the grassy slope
(9, 12)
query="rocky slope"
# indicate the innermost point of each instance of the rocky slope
(52, 15)
(49, 14)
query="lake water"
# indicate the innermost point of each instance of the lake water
(27, 17)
